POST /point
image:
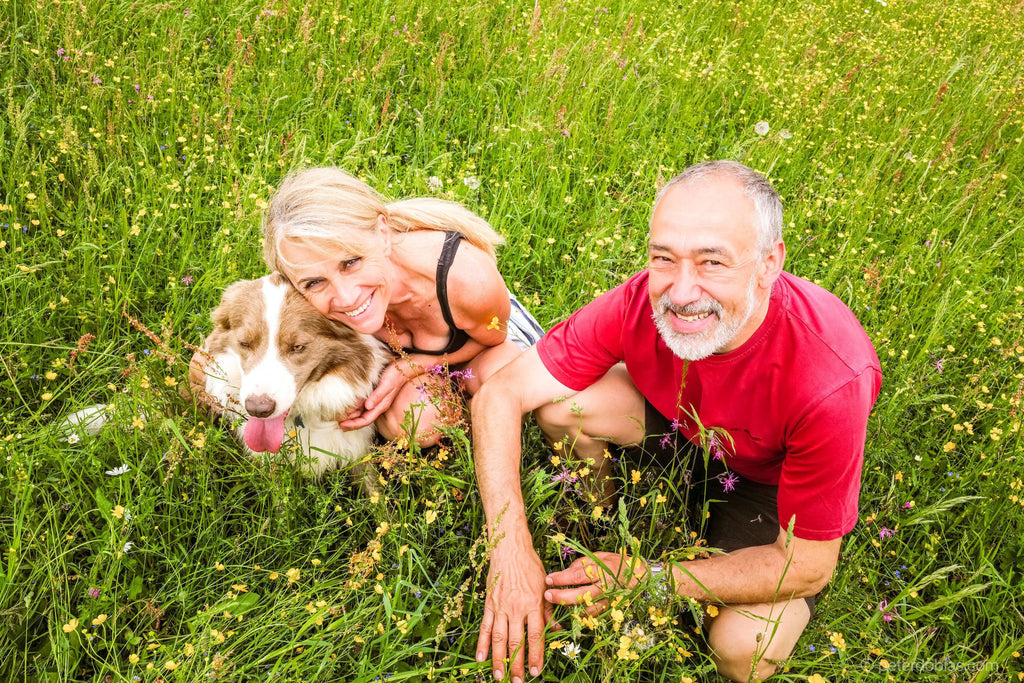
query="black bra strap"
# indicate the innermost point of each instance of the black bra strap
(456, 338)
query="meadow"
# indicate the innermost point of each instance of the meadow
(140, 143)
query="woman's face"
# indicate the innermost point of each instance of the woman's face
(354, 290)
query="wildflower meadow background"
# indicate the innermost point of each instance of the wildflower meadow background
(139, 144)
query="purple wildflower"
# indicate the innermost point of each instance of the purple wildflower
(60, 52)
(666, 440)
(187, 280)
(467, 373)
(94, 592)
(564, 476)
(886, 532)
(728, 481)
(938, 364)
(436, 369)
(674, 425)
(96, 80)
(883, 607)
(566, 552)
(715, 446)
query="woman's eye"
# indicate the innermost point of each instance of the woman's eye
(311, 285)
(350, 263)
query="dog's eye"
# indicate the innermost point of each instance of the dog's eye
(298, 348)
(245, 344)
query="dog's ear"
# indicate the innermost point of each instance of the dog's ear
(234, 295)
(221, 317)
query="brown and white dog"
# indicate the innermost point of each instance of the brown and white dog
(279, 365)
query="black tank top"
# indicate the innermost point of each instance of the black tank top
(456, 338)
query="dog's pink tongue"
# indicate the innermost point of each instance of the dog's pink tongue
(264, 435)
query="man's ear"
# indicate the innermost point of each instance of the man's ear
(771, 265)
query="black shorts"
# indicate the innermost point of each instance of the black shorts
(744, 516)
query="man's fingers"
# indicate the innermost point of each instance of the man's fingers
(574, 575)
(573, 596)
(499, 647)
(516, 650)
(483, 642)
(535, 640)
(549, 616)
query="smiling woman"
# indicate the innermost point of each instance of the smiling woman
(420, 274)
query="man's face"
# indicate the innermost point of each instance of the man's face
(708, 285)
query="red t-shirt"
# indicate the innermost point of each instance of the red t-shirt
(795, 397)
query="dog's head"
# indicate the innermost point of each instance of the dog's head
(282, 343)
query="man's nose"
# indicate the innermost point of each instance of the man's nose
(685, 287)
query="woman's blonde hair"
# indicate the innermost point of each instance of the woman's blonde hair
(329, 208)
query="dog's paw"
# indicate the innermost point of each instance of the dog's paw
(87, 421)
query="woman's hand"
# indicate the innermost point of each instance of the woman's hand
(391, 382)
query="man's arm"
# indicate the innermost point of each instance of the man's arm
(756, 575)
(515, 581)
(784, 570)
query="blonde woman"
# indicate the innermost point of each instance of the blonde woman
(418, 273)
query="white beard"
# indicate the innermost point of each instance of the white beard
(701, 344)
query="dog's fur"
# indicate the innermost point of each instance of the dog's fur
(279, 365)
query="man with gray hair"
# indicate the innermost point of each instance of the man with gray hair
(712, 338)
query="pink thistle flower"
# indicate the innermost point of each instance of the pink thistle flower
(564, 476)
(715, 446)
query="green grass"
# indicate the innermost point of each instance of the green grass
(140, 142)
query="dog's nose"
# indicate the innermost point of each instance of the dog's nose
(260, 405)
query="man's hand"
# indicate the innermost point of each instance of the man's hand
(589, 580)
(515, 588)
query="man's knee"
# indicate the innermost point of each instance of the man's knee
(747, 646)
(558, 419)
